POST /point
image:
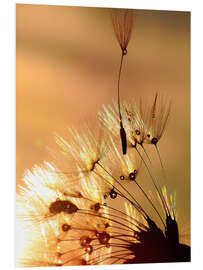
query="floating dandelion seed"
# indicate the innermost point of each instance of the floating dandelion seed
(122, 21)
(68, 210)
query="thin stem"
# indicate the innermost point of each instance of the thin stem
(153, 206)
(112, 215)
(119, 77)
(117, 258)
(149, 160)
(116, 234)
(94, 260)
(165, 179)
(119, 228)
(85, 211)
(138, 205)
(80, 255)
(123, 257)
(138, 222)
(148, 170)
(122, 130)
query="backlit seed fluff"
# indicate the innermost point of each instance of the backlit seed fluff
(122, 20)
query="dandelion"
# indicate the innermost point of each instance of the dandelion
(106, 234)
(91, 204)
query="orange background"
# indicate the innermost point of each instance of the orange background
(67, 61)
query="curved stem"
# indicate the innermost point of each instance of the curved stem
(119, 77)
(148, 170)
(165, 179)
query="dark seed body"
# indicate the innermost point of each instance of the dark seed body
(123, 140)
(62, 206)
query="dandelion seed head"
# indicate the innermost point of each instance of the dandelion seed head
(122, 20)
(49, 200)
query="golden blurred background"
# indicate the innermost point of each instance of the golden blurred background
(67, 61)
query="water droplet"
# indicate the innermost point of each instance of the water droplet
(132, 176)
(113, 194)
(65, 227)
(154, 141)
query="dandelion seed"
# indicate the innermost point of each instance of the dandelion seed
(122, 21)
(83, 153)
(136, 128)
(156, 117)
